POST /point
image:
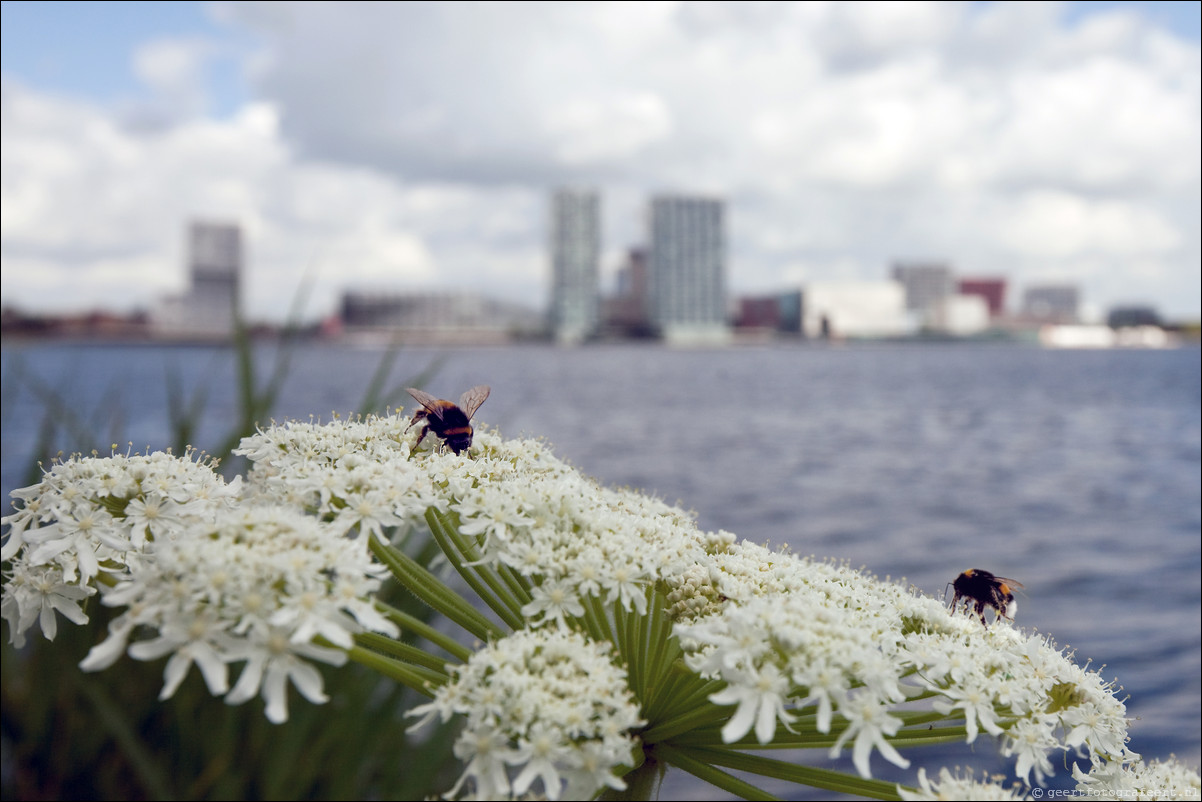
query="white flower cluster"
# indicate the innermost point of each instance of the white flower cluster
(94, 515)
(952, 787)
(259, 585)
(798, 635)
(1138, 780)
(355, 472)
(207, 574)
(547, 700)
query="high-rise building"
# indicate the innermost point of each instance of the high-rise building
(211, 304)
(575, 254)
(215, 262)
(687, 288)
(927, 285)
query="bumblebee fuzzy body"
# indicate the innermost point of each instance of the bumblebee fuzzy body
(450, 422)
(981, 589)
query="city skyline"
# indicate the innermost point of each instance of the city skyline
(1045, 142)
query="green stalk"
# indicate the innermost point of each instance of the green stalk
(433, 591)
(470, 560)
(705, 770)
(791, 772)
(604, 631)
(482, 585)
(517, 583)
(422, 680)
(410, 623)
(691, 719)
(682, 692)
(400, 651)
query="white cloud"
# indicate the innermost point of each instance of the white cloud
(416, 143)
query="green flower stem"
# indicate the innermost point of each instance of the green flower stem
(643, 781)
(611, 621)
(706, 771)
(518, 584)
(595, 621)
(471, 559)
(682, 691)
(410, 623)
(400, 651)
(482, 582)
(664, 648)
(691, 719)
(811, 738)
(434, 592)
(420, 679)
(791, 772)
(625, 632)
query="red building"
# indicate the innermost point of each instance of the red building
(993, 290)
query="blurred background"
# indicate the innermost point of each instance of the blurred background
(911, 285)
(414, 149)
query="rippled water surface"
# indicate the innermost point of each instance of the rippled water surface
(1076, 472)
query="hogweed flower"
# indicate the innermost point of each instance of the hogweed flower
(605, 634)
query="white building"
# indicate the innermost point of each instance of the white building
(210, 306)
(687, 269)
(575, 254)
(855, 309)
(961, 315)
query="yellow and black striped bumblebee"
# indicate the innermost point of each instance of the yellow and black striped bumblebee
(451, 422)
(981, 589)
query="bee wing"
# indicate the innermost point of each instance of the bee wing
(471, 400)
(1011, 582)
(433, 405)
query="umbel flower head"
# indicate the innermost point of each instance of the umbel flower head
(601, 634)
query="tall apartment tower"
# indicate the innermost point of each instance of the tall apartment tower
(208, 308)
(687, 286)
(575, 254)
(215, 264)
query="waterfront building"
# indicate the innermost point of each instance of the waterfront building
(626, 312)
(436, 317)
(993, 290)
(1051, 303)
(926, 285)
(575, 254)
(854, 309)
(687, 269)
(961, 315)
(1137, 315)
(212, 302)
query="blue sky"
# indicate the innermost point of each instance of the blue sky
(413, 146)
(84, 48)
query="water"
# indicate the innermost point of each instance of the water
(1076, 472)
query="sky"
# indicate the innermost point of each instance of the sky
(414, 146)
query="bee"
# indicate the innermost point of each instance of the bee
(982, 589)
(451, 422)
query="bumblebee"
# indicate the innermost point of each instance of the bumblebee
(451, 422)
(982, 589)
